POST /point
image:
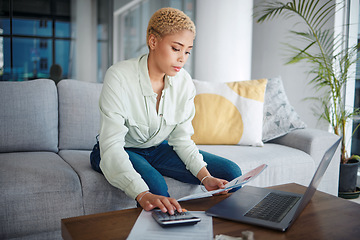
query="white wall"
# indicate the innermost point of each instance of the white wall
(223, 41)
(230, 46)
(269, 58)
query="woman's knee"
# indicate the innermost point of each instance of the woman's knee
(234, 169)
(158, 186)
(155, 181)
(221, 167)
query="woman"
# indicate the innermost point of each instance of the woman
(146, 106)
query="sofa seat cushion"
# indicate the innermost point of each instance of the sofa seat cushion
(38, 189)
(100, 196)
(285, 164)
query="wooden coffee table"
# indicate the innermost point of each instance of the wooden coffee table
(326, 217)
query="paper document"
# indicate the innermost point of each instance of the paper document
(237, 182)
(146, 228)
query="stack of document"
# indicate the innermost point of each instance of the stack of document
(146, 228)
(237, 182)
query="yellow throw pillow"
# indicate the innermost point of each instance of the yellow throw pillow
(229, 113)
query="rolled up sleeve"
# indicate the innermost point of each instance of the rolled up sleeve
(115, 163)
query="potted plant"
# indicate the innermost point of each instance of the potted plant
(330, 68)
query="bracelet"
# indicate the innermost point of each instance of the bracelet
(202, 185)
(142, 196)
(202, 180)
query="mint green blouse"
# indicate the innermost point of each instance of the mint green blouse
(129, 119)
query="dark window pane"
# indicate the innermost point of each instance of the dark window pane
(32, 27)
(102, 32)
(63, 56)
(5, 58)
(63, 8)
(29, 58)
(4, 17)
(4, 8)
(1, 55)
(62, 29)
(43, 64)
(24, 7)
(4, 25)
(103, 20)
(103, 60)
(355, 145)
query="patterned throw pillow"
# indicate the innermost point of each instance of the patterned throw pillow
(280, 117)
(229, 113)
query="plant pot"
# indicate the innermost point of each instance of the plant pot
(350, 195)
(348, 177)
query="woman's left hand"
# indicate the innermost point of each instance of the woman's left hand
(212, 183)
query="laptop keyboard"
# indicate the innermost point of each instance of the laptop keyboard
(273, 207)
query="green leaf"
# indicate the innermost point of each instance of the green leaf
(330, 63)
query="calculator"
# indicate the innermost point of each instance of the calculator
(179, 218)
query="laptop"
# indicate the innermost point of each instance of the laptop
(268, 207)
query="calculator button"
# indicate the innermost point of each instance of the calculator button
(179, 218)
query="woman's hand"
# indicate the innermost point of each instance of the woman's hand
(149, 201)
(212, 183)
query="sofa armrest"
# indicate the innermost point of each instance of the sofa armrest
(312, 141)
(315, 142)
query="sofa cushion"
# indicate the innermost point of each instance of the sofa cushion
(100, 196)
(79, 116)
(285, 164)
(28, 116)
(38, 189)
(229, 113)
(280, 117)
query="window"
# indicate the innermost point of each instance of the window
(104, 37)
(34, 35)
(355, 146)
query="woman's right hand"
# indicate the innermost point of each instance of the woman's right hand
(149, 201)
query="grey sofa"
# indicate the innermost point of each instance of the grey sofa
(48, 131)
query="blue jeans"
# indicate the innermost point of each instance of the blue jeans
(155, 162)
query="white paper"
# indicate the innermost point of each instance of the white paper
(146, 228)
(237, 182)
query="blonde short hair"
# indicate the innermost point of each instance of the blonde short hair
(169, 21)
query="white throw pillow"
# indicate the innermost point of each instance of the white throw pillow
(229, 113)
